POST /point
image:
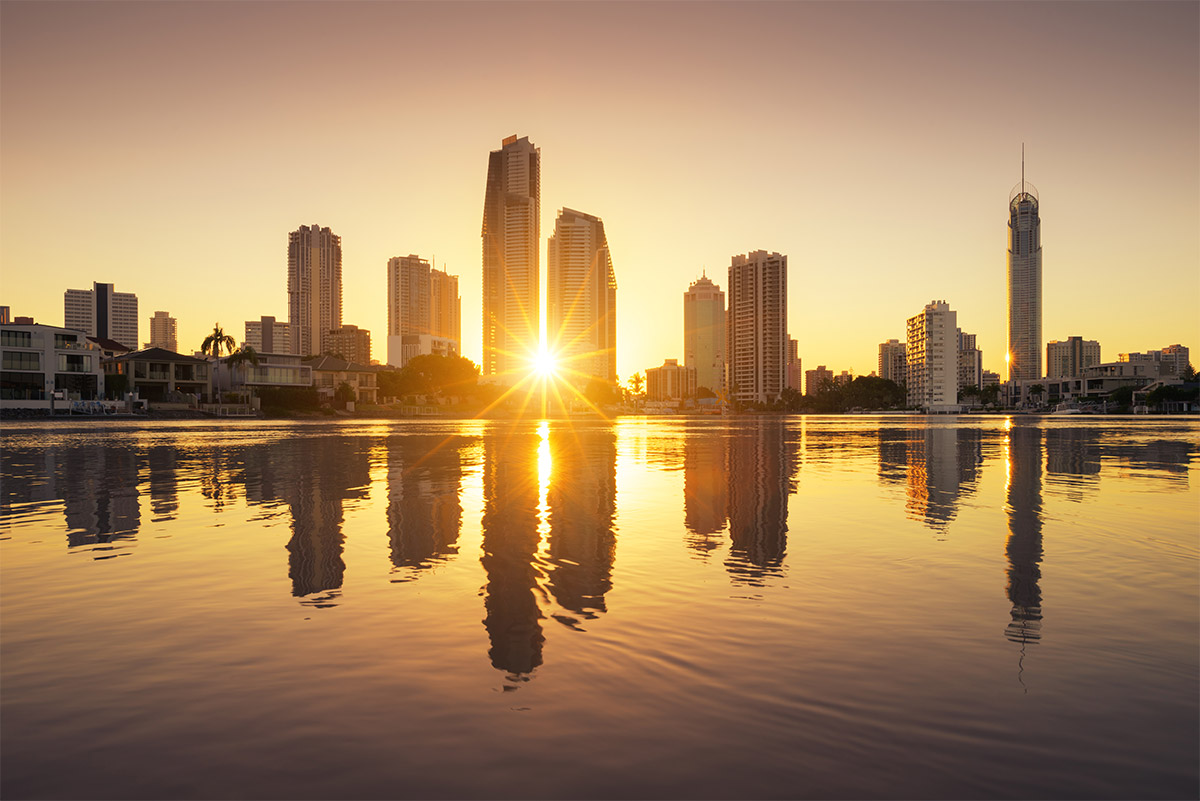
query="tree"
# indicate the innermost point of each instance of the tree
(1037, 391)
(601, 393)
(343, 393)
(241, 356)
(989, 394)
(636, 382)
(216, 341)
(1189, 373)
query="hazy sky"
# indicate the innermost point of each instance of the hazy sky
(170, 147)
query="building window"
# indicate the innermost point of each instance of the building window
(16, 339)
(22, 386)
(22, 361)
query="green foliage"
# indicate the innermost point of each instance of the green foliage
(217, 341)
(989, 395)
(636, 383)
(243, 355)
(1189, 373)
(344, 393)
(866, 393)
(601, 393)
(1122, 396)
(1171, 392)
(431, 374)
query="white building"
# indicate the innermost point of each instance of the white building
(103, 312)
(314, 287)
(268, 335)
(581, 299)
(704, 333)
(931, 356)
(511, 248)
(756, 327)
(163, 332)
(1172, 360)
(46, 367)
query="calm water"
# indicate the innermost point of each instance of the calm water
(806, 607)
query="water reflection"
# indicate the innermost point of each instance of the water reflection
(100, 497)
(705, 490)
(1024, 546)
(510, 543)
(582, 500)
(938, 466)
(424, 513)
(322, 478)
(759, 477)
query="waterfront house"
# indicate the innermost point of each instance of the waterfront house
(329, 372)
(159, 375)
(44, 364)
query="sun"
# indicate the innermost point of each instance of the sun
(545, 363)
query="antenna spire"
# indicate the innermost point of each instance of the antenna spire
(1022, 167)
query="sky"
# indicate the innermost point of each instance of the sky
(169, 148)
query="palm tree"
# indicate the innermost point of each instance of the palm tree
(216, 341)
(1037, 390)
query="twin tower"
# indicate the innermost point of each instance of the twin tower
(581, 288)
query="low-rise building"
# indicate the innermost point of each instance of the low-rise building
(329, 372)
(403, 347)
(163, 376)
(44, 365)
(273, 371)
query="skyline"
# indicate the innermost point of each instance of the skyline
(879, 159)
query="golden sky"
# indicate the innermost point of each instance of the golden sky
(169, 148)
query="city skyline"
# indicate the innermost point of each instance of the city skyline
(196, 142)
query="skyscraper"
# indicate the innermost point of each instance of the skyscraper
(1067, 359)
(103, 312)
(581, 298)
(445, 306)
(163, 332)
(970, 362)
(267, 335)
(704, 333)
(314, 288)
(931, 349)
(511, 237)
(756, 328)
(891, 360)
(423, 310)
(1024, 282)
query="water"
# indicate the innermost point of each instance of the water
(819, 607)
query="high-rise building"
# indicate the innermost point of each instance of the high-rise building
(5, 315)
(103, 313)
(931, 349)
(351, 343)
(445, 306)
(1067, 359)
(581, 298)
(756, 327)
(815, 380)
(423, 310)
(795, 367)
(268, 335)
(511, 239)
(704, 333)
(1024, 282)
(163, 332)
(314, 288)
(970, 362)
(892, 361)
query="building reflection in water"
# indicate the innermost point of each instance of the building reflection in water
(164, 494)
(705, 489)
(582, 501)
(939, 466)
(758, 480)
(100, 496)
(424, 513)
(1024, 546)
(510, 544)
(320, 476)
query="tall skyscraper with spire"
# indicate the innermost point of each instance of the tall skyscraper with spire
(511, 244)
(314, 287)
(1024, 281)
(581, 298)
